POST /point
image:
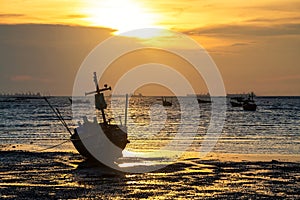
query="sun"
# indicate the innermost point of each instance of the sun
(122, 15)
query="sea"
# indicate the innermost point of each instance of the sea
(38, 158)
(272, 129)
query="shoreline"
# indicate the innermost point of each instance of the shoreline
(227, 157)
(222, 157)
(65, 175)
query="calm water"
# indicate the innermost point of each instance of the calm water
(273, 128)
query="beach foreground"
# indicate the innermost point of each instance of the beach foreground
(65, 175)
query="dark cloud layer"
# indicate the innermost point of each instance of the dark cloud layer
(246, 30)
(6, 15)
(78, 16)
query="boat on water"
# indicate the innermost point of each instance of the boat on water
(107, 140)
(165, 102)
(236, 104)
(249, 104)
(116, 134)
(237, 101)
(204, 101)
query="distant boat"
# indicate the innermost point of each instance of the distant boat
(237, 101)
(236, 104)
(203, 101)
(165, 102)
(249, 104)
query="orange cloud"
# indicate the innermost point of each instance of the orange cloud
(21, 78)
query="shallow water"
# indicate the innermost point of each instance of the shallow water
(273, 128)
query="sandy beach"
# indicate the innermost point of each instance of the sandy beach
(66, 175)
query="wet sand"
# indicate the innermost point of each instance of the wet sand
(65, 175)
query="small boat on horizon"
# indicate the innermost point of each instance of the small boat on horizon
(248, 104)
(165, 102)
(204, 101)
(237, 101)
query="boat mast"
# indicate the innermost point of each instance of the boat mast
(100, 103)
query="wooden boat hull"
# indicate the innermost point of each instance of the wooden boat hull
(115, 135)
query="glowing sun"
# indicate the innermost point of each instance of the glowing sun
(122, 15)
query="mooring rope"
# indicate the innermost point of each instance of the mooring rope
(53, 146)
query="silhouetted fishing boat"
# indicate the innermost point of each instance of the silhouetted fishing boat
(116, 134)
(111, 139)
(165, 102)
(237, 101)
(236, 104)
(203, 101)
(249, 104)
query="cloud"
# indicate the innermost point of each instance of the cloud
(76, 16)
(21, 78)
(6, 15)
(278, 20)
(286, 6)
(240, 44)
(247, 30)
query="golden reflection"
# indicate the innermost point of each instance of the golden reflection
(122, 15)
(134, 164)
(153, 33)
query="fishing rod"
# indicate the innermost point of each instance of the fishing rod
(59, 116)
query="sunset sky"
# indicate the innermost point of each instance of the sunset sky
(255, 44)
